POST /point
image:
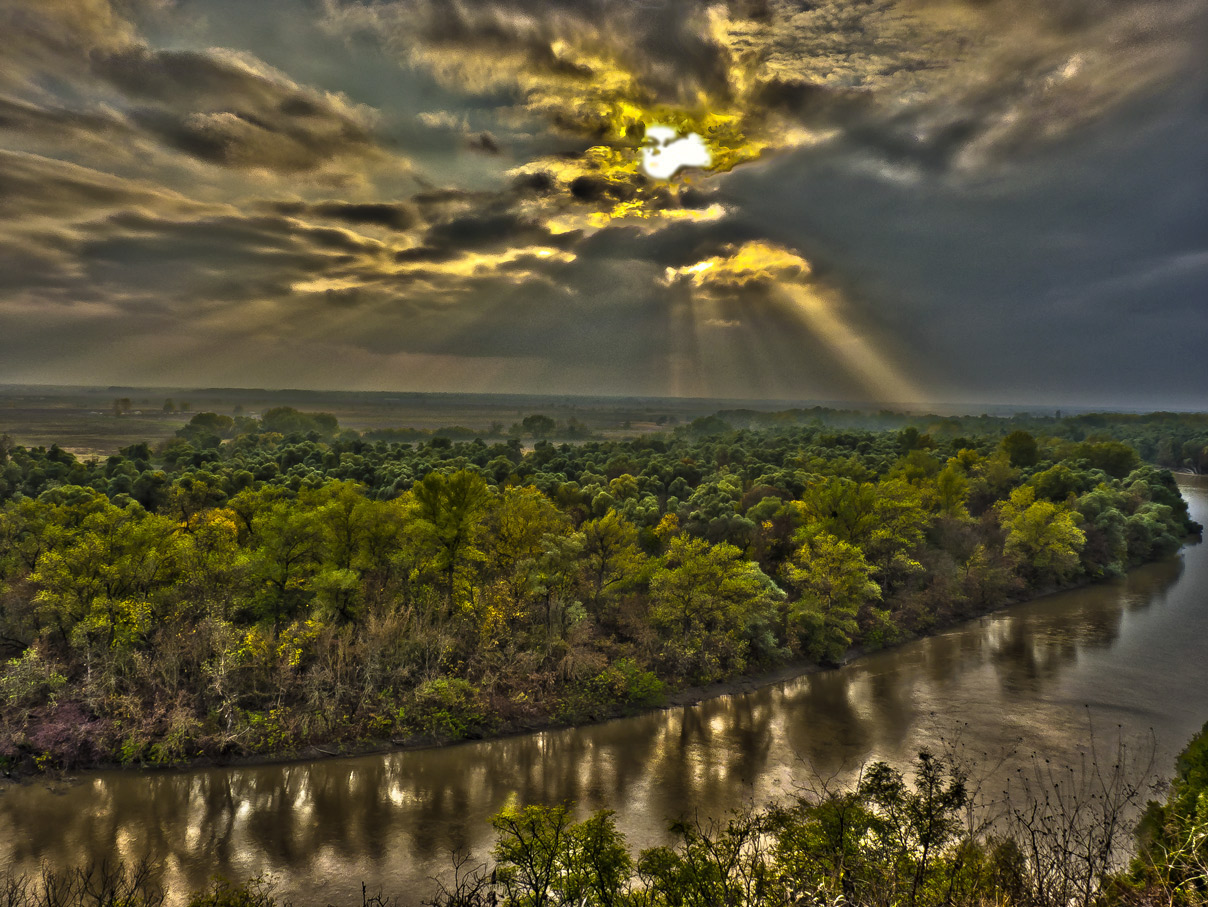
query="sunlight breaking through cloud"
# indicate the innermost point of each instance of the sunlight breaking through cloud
(424, 177)
(761, 271)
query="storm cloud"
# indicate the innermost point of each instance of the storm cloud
(909, 200)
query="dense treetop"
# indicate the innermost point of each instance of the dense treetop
(255, 585)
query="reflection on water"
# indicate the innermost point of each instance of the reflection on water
(1022, 680)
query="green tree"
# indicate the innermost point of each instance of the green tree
(531, 852)
(287, 420)
(951, 491)
(286, 552)
(711, 864)
(1115, 458)
(609, 553)
(1022, 448)
(1042, 535)
(215, 578)
(840, 507)
(448, 510)
(834, 580)
(538, 426)
(517, 529)
(1171, 863)
(544, 858)
(99, 586)
(897, 534)
(913, 825)
(709, 603)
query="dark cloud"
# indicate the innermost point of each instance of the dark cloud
(477, 232)
(21, 117)
(426, 254)
(484, 142)
(486, 46)
(538, 182)
(946, 86)
(967, 85)
(395, 216)
(1075, 278)
(197, 184)
(234, 111)
(35, 186)
(392, 216)
(223, 107)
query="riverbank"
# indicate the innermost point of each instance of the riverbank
(680, 698)
(278, 623)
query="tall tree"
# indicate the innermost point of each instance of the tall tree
(1042, 534)
(449, 508)
(834, 580)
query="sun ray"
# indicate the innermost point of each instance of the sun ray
(872, 367)
(764, 270)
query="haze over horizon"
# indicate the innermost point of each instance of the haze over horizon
(910, 201)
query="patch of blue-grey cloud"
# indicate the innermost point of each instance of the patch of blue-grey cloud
(1077, 275)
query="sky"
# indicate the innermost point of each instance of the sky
(908, 202)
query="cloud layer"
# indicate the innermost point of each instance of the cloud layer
(448, 194)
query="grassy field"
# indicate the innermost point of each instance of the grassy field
(78, 426)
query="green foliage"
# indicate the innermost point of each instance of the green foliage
(254, 585)
(448, 508)
(915, 838)
(707, 603)
(537, 426)
(1113, 457)
(620, 685)
(1043, 535)
(609, 553)
(835, 581)
(30, 681)
(626, 683)
(287, 420)
(446, 708)
(1171, 864)
(1021, 448)
(544, 858)
(888, 839)
(222, 892)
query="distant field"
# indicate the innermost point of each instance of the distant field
(83, 421)
(78, 427)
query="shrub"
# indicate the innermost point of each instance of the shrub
(447, 708)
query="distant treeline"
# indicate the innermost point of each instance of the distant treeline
(295, 584)
(207, 429)
(1172, 440)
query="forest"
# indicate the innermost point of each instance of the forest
(260, 586)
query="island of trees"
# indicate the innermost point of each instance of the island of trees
(260, 586)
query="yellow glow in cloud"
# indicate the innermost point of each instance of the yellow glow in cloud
(755, 261)
(468, 265)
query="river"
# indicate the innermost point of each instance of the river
(1125, 657)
